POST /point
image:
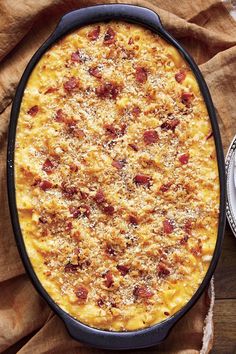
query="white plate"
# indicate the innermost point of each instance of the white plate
(230, 165)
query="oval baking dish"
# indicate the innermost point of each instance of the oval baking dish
(128, 338)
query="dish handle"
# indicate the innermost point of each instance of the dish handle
(100, 13)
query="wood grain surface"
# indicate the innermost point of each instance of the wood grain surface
(225, 305)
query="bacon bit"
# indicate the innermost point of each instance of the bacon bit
(76, 56)
(44, 185)
(100, 302)
(109, 37)
(150, 137)
(69, 226)
(136, 111)
(73, 129)
(166, 313)
(119, 164)
(162, 270)
(107, 90)
(188, 226)
(142, 180)
(48, 166)
(42, 220)
(33, 110)
(51, 90)
(108, 279)
(94, 33)
(186, 98)
(209, 135)
(142, 292)
(81, 210)
(68, 191)
(81, 292)
(109, 209)
(95, 72)
(184, 240)
(111, 130)
(168, 226)
(71, 84)
(170, 124)
(99, 197)
(122, 129)
(84, 195)
(131, 41)
(133, 220)
(180, 76)
(122, 269)
(59, 116)
(79, 133)
(141, 74)
(110, 251)
(183, 159)
(196, 251)
(134, 147)
(73, 167)
(165, 187)
(71, 268)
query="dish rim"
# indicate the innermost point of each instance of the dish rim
(154, 334)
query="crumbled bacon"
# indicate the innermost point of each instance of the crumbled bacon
(110, 251)
(184, 240)
(42, 220)
(183, 159)
(196, 251)
(81, 292)
(165, 187)
(150, 137)
(186, 98)
(162, 270)
(71, 268)
(73, 129)
(44, 185)
(122, 269)
(168, 226)
(133, 220)
(76, 56)
(84, 195)
(94, 71)
(107, 90)
(108, 209)
(71, 84)
(73, 167)
(100, 302)
(134, 147)
(119, 164)
(188, 226)
(142, 180)
(68, 226)
(99, 197)
(51, 90)
(131, 41)
(166, 313)
(142, 292)
(48, 166)
(111, 130)
(109, 37)
(170, 124)
(83, 209)
(122, 130)
(180, 76)
(68, 191)
(108, 279)
(141, 74)
(94, 33)
(33, 110)
(59, 115)
(136, 111)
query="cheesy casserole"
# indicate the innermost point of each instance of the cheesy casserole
(116, 177)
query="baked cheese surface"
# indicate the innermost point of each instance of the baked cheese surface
(116, 177)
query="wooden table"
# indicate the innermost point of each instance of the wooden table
(225, 305)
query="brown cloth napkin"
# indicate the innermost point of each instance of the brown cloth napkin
(207, 31)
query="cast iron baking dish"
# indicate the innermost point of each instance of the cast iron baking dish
(94, 337)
